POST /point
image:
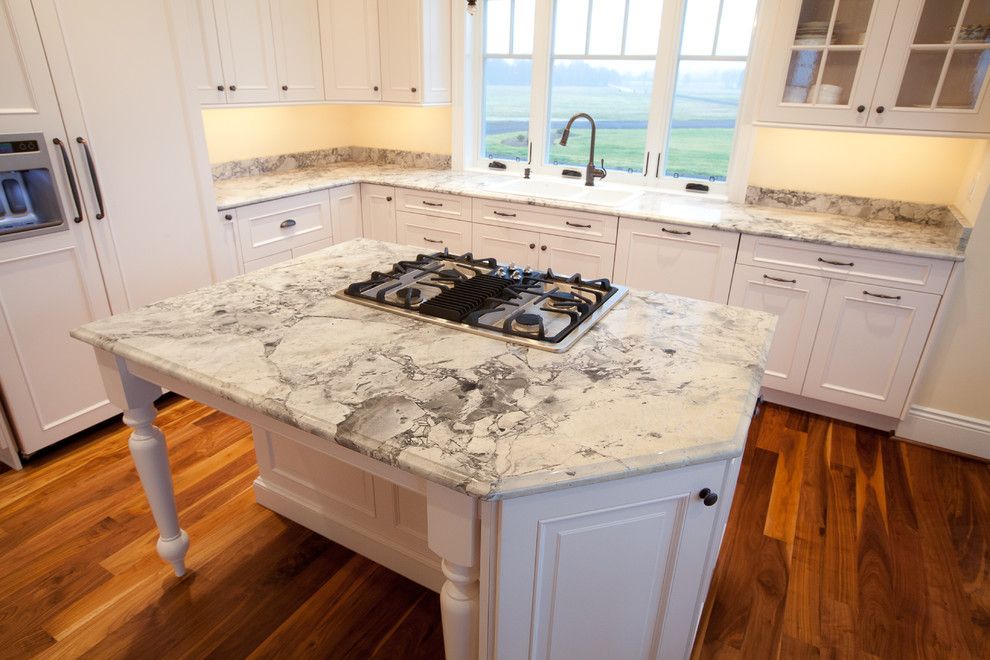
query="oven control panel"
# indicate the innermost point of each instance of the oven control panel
(19, 147)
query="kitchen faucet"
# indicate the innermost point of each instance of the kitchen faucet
(591, 172)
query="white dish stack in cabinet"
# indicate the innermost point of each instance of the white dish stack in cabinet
(139, 233)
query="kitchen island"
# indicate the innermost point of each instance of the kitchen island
(565, 505)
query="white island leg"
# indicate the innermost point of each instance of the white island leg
(136, 398)
(453, 533)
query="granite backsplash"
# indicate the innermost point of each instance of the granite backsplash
(323, 157)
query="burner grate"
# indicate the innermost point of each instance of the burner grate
(464, 297)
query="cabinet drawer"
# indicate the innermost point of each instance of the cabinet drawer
(283, 224)
(865, 266)
(561, 223)
(435, 204)
(433, 234)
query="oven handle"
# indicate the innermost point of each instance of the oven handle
(93, 177)
(70, 173)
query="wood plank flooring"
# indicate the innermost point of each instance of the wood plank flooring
(841, 543)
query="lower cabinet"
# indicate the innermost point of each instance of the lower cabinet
(797, 301)
(689, 262)
(345, 213)
(378, 212)
(563, 255)
(869, 343)
(432, 233)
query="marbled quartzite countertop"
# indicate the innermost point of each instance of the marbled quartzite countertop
(941, 241)
(660, 382)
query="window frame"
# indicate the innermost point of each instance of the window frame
(667, 61)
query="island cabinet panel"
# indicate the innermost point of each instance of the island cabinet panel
(868, 347)
(611, 570)
(685, 261)
(345, 213)
(433, 234)
(797, 300)
(378, 212)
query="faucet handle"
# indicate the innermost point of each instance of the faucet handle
(601, 172)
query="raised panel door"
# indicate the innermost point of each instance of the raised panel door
(797, 300)
(507, 246)
(298, 52)
(199, 49)
(570, 256)
(247, 47)
(400, 27)
(868, 347)
(378, 212)
(351, 57)
(345, 213)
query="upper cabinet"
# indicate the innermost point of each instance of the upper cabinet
(351, 61)
(298, 58)
(247, 50)
(881, 64)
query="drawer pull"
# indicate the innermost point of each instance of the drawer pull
(431, 240)
(836, 263)
(574, 224)
(675, 231)
(779, 279)
(504, 215)
(882, 296)
(287, 223)
(434, 204)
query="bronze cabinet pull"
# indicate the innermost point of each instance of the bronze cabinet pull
(836, 263)
(676, 232)
(433, 204)
(504, 215)
(779, 279)
(93, 177)
(431, 240)
(574, 224)
(286, 224)
(882, 296)
(73, 188)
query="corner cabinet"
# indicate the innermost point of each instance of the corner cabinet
(880, 64)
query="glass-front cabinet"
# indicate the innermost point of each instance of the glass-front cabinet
(907, 65)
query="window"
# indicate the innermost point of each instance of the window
(662, 79)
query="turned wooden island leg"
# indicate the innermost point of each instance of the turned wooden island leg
(453, 531)
(136, 398)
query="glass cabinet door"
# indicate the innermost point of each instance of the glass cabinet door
(828, 56)
(936, 69)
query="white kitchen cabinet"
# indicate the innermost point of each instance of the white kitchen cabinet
(378, 212)
(797, 300)
(247, 50)
(414, 37)
(908, 65)
(432, 233)
(868, 346)
(684, 261)
(508, 246)
(298, 51)
(199, 50)
(615, 565)
(345, 213)
(273, 227)
(351, 55)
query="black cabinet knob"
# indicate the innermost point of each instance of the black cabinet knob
(376, 88)
(708, 497)
(413, 90)
(861, 109)
(220, 88)
(388, 199)
(543, 247)
(233, 88)
(228, 217)
(880, 110)
(532, 246)
(285, 88)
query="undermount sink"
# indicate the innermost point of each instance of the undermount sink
(567, 191)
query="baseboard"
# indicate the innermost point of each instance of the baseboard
(939, 428)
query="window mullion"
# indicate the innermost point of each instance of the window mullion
(539, 108)
(664, 82)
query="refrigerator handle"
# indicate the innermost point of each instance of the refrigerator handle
(93, 177)
(72, 179)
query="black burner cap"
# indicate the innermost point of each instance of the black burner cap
(409, 293)
(529, 320)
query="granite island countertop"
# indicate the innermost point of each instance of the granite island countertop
(660, 382)
(941, 241)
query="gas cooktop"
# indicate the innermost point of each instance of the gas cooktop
(539, 309)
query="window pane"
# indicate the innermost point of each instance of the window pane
(522, 38)
(607, 18)
(617, 94)
(505, 129)
(643, 27)
(706, 102)
(736, 27)
(497, 26)
(699, 27)
(570, 27)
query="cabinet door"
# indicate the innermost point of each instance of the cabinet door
(611, 570)
(869, 343)
(569, 256)
(247, 47)
(351, 60)
(345, 213)
(199, 50)
(378, 212)
(797, 300)
(432, 233)
(152, 238)
(935, 71)
(695, 263)
(400, 26)
(825, 61)
(298, 55)
(507, 246)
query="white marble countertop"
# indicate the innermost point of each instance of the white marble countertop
(899, 237)
(660, 382)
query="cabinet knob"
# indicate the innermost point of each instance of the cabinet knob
(708, 496)
(543, 248)
(228, 217)
(532, 246)
(388, 199)
(376, 88)
(233, 88)
(413, 89)
(285, 88)
(880, 110)
(220, 88)
(861, 109)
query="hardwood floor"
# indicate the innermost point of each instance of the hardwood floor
(841, 543)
